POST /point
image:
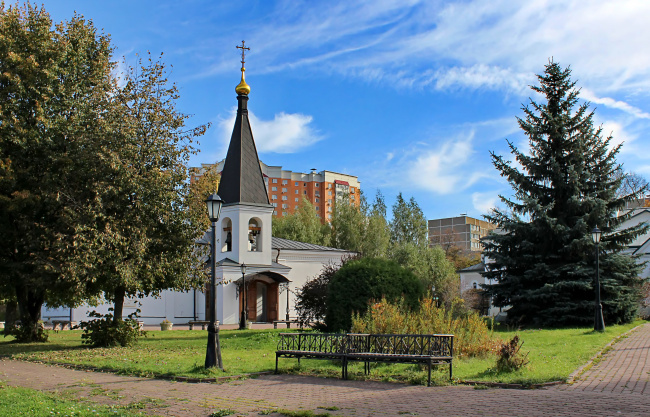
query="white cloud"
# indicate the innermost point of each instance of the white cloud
(475, 43)
(444, 170)
(285, 133)
(484, 202)
(615, 104)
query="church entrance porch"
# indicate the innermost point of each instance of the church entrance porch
(262, 293)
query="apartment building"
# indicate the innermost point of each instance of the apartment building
(462, 231)
(287, 188)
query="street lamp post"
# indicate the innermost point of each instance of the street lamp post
(213, 352)
(244, 315)
(599, 323)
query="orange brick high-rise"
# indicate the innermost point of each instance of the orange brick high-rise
(286, 188)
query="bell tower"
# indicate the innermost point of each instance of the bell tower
(245, 223)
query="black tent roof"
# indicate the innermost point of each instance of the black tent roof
(241, 179)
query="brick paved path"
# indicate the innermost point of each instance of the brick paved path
(600, 392)
(624, 369)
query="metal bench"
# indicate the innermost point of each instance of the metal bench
(201, 323)
(426, 349)
(289, 322)
(312, 346)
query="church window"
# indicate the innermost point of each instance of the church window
(284, 206)
(274, 204)
(284, 190)
(274, 197)
(329, 193)
(296, 199)
(284, 197)
(297, 183)
(275, 180)
(284, 182)
(274, 188)
(297, 192)
(317, 200)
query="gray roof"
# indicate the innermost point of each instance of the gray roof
(241, 179)
(279, 243)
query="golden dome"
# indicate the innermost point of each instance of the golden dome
(243, 88)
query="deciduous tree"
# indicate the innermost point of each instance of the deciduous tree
(54, 89)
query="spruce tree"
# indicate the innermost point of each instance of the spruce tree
(543, 261)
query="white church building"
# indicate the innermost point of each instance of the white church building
(275, 267)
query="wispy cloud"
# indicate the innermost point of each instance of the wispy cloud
(614, 104)
(474, 44)
(484, 202)
(285, 133)
(446, 169)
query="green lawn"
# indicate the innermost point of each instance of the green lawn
(553, 355)
(28, 402)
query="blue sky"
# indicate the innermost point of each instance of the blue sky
(407, 95)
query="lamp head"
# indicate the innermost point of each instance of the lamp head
(595, 235)
(243, 268)
(214, 203)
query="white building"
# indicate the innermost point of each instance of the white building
(641, 245)
(243, 237)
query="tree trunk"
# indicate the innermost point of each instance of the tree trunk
(30, 303)
(118, 304)
(11, 315)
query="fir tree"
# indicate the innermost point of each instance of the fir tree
(544, 261)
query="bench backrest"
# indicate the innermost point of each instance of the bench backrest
(403, 344)
(393, 344)
(313, 342)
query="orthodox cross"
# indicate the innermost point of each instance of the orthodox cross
(243, 52)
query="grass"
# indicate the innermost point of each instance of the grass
(16, 401)
(553, 355)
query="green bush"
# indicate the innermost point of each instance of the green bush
(105, 332)
(359, 281)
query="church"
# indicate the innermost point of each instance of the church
(254, 270)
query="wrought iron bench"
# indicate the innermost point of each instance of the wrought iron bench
(426, 349)
(312, 346)
(289, 322)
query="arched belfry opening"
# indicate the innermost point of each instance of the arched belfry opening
(226, 235)
(255, 235)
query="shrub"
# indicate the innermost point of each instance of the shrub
(471, 334)
(27, 334)
(362, 280)
(311, 304)
(510, 359)
(105, 332)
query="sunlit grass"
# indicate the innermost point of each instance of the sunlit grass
(553, 355)
(24, 401)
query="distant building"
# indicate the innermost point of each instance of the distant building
(286, 188)
(462, 231)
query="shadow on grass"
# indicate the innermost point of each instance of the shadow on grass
(11, 348)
